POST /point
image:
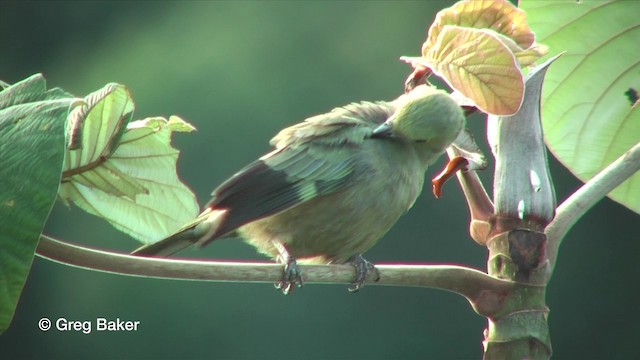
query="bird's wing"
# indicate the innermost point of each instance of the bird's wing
(336, 126)
(311, 159)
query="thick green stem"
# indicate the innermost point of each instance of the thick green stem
(524, 200)
(519, 330)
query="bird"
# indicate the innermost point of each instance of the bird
(333, 185)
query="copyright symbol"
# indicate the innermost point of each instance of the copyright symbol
(44, 324)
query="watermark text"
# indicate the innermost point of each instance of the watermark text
(89, 326)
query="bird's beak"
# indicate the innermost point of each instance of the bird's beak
(383, 131)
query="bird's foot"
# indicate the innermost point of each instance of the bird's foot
(291, 276)
(363, 268)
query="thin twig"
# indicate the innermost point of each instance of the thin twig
(572, 209)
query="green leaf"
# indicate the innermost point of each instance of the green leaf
(94, 132)
(136, 187)
(588, 118)
(32, 142)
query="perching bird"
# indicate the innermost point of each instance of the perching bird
(333, 186)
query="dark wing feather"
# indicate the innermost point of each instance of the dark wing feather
(255, 192)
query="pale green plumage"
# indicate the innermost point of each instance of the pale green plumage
(335, 183)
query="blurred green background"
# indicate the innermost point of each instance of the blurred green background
(239, 72)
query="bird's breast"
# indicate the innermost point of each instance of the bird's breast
(331, 228)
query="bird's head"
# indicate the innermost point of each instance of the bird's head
(425, 115)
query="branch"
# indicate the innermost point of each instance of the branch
(473, 284)
(568, 213)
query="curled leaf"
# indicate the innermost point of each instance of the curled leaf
(525, 57)
(94, 130)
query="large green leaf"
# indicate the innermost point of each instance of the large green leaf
(32, 143)
(127, 178)
(588, 118)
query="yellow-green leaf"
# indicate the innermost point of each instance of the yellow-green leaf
(525, 57)
(531, 55)
(94, 131)
(498, 15)
(145, 157)
(477, 64)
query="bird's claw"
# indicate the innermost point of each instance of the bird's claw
(363, 268)
(291, 277)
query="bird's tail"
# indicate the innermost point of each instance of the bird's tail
(198, 231)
